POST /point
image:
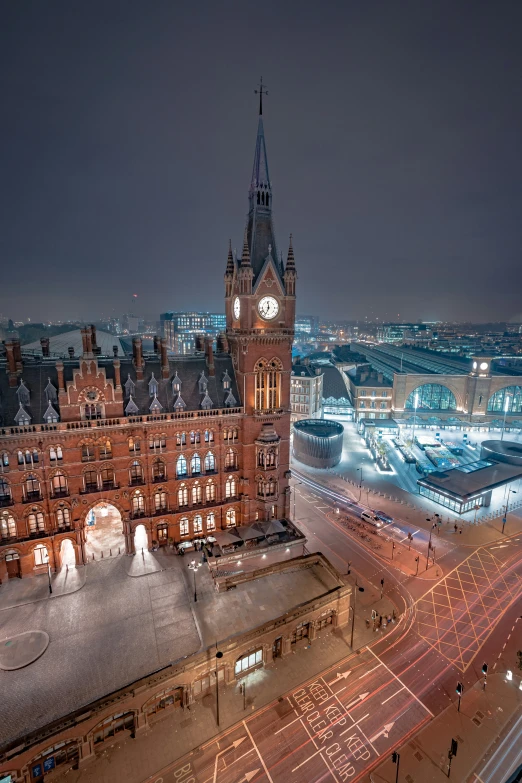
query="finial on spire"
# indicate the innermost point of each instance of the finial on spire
(261, 92)
(230, 259)
(290, 261)
(245, 258)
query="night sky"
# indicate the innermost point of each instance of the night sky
(393, 133)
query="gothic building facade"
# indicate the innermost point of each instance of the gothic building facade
(182, 446)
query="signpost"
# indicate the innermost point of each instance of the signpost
(452, 752)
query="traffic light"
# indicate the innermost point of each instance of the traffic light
(395, 757)
(454, 746)
(459, 688)
(484, 669)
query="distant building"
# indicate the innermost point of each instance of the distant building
(403, 333)
(306, 392)
(181, 329)
(370, 393)
(307, 324)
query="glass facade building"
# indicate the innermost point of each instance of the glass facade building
(513, 394)
(431, 397)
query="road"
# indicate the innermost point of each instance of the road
(341, 724)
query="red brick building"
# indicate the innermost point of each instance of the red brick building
(182, 446)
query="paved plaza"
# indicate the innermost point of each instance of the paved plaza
(119, 627)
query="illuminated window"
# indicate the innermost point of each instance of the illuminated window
(63, 517)
(198, 523)
(508, 400)
(36, 522)
(247, 662)
(138, 503)
(230, 517)
(7, 526)
(183, 495)
(160, 501)
(431, 397)
(230, 459)
(230, 487)
(197, 494)
(210, 462)
(41, 556)
(211, 522)
(210, 491)
(268, 384)
(183, 526)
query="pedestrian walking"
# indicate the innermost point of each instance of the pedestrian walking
(394, 616)
(456, 527)
(380, 620)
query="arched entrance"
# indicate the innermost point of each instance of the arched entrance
(103, 532)
(141, 540)
(67, 554)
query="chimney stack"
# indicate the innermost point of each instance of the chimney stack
(44, 342)
(70, 351)
(93, 336)
(200, 343)
(222, 343)
(137, 353)
(59, 370)
(87, 341)
(11, 362)
(209, 353)
(156, 343)
(165, 369)
(117, 373)
(115, 350)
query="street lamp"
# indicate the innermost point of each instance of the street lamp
(506, 408)
(194, 567)
(429, 542)
(415, 406)
(360, 484)
(219, 655)
(294, 488)
(504, 518)
(360, 590)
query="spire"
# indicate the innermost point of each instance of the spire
(290, 260)
(245, 258)
(230, 259)
(261, 92)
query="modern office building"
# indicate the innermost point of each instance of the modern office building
(404, 333)
(436, 390)
(180, 329)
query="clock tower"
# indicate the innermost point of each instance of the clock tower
(260, 314)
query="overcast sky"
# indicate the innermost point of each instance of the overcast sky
(393, 134)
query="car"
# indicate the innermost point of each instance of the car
(385, 517)
(369, 516)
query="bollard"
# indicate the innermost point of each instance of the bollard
(102, 554)
(110, 552)
(119, 551)
(93, 555)
(67, 568)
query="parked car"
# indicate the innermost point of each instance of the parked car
(369, 516)
(384, 517)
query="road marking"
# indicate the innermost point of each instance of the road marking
(405, 539)
(371, 670)
(401, 682)
(391, 697)
(308, 759)
(355, 723)
(261, 759)
(288, 724)
(358, 700)
(340, 675)
(384, 732)
(234, 745)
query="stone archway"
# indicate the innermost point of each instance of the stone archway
(67, 553)
(103, 532)
(141, 539)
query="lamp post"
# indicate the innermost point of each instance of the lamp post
(415, 406)
(360, 484)
(504, 518)
(360, 590)
(219, 655)
(294, 488)
(429, 545)
(194, 567)
(506, 408)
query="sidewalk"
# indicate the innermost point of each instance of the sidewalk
(19, 592)
(134, 760)
(482, 717)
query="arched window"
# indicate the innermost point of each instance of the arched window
(157, 442)
(271, 487)
(261, 458)
(271, 458)
(198, 523)
(90, 481)
(210, 462)
(59, 485)
(88, 454)
(195, 465)
(7, 526)
(63, 517)
(181, 466)
(431, 397)
(106, 450)
(32, 487)
(197, 494)
(260, 486)
(230, 487)
(5, 492)
(183, 526)
(41, 556)
(507, 400)
(230, 517)
(211, 522)
(55, 454)
(195, 437)
(92, 411)
(4, 459)
(181, 438)
(107, 477)
(210, 491)
(230, 459)
(209, 436)
(138, 504)
(268, 384)
(160, 501)
(36, 522)
(136, 473)
(159, 471)
(134, 445)
(183, 495)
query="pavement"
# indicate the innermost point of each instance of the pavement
(21, 650)
(483, 718)
(19, 592)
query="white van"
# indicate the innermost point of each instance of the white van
(367, 516)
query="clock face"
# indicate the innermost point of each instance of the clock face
(483, 365)
(237, 307)
(268, 307)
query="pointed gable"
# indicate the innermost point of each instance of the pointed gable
(153, 386)
(206, 402)
(130, 388)
(179, 405)
(23, 394)
(155, 406)
(22, 418)
(176, 384)
(202, 383)
(51, 392)
(230, 400)
(131, 408)
(50, 416)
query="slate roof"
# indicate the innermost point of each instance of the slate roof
(333, 384)
(59, 344)
(37, 372)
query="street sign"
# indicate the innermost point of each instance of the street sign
(49, 764)
(37, 770)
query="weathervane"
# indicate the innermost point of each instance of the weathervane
(261, 92)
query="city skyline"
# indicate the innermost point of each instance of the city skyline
(121, 167)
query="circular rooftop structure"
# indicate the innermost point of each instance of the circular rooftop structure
(318, 443)
(502, 451)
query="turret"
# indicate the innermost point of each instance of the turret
(290, 275)
(229, 272)
(246, 273)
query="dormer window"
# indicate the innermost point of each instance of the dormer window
(206, 402)
(230, 400)
(153, 386)
(50, 415)
(176, 384)
(226, 381)
(155, 406)
(202, 383)
(131, 408)
(23, 394)
(130, 387)
(22, 418)
(179, 405)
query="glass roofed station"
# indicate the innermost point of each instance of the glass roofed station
(434, 389)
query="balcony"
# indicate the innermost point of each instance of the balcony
(138, 514)
(137, 481)
(107, 486)
(60, 493)
(264, 413)
(231, 468)
(158, 512)
(159, 479)
(32, 497)
(6, 500)
(89, 488)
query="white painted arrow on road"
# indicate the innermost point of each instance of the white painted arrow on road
(383, 732)
(340, 676)
(249, 775)
(357, 700)
(229, 747)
